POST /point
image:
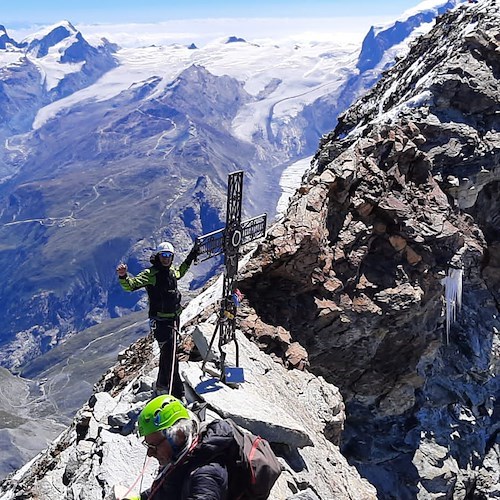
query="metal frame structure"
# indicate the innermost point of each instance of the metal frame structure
(228, 241)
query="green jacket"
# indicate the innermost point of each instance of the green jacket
(161, 285)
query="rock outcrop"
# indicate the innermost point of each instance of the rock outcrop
(100, 450)
(348, 292)
(404, 190)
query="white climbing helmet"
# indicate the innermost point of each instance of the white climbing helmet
(165, 246)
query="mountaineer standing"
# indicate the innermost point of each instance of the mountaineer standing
(160, 281)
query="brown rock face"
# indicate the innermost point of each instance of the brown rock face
(361, 289)
(405, 188)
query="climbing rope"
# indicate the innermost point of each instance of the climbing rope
(140, 476)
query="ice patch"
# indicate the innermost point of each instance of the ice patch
(453, 296)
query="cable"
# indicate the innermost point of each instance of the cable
(170, 467)
(140, 476)
(174, 354)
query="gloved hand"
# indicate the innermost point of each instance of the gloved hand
(193, 253)
(119, 491)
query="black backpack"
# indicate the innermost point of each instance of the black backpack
(254, 469)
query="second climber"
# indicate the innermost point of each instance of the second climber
(160, 282)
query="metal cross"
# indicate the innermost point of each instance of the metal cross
(228, 241)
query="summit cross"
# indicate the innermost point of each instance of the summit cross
(227, 241)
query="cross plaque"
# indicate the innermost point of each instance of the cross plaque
(228, 241)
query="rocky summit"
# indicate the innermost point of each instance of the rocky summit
(369, 333)
(91, 129)
(404, 192)
(100, 451)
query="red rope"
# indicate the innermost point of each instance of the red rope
(146, 462)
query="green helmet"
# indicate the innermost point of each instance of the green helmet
(160, 413)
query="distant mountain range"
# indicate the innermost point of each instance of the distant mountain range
(107, 151)
(369, 327)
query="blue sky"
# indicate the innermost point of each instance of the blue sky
(126, 11)
(146, 22)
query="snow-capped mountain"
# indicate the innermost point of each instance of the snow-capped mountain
(45, 67)
(400, 208)
(101, 163)
(6, 41)
(56, 39)
(382, 46)
(65, 60)
(383, 43)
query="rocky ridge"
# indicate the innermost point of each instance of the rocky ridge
(99, 450)
(352, 278)
(404, 190)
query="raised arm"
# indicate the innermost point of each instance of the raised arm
(191, 256)
(129, 283)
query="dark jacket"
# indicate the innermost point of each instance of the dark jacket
(161, 285)
(203, 474)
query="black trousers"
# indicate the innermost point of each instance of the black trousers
(165, 332)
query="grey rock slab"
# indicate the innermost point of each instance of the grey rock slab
(104, 405)
(246, 406)
(123, 459)
(200, 339)
(266, 383)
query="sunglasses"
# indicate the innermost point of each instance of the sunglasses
(166, 254)
(152, 447)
